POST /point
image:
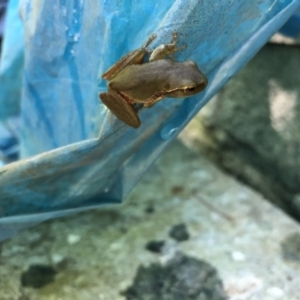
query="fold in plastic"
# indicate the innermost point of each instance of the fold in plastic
(67, 45)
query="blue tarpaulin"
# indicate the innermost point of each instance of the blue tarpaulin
(75, 154)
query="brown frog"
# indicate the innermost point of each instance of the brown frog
(130, 80)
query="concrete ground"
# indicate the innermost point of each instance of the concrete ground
(187, 231)
(251, 127)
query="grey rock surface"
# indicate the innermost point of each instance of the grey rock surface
(182, 278)
(240, 247)
(252, 127)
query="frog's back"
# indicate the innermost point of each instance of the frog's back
(141, 82)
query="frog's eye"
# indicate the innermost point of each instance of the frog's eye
(189, 90)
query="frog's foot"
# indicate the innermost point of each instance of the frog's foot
(144, 47)
(166, 49)
(121, 108)
(171, 55)
(150, 40)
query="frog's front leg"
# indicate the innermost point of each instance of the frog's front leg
(132, 58)
(156, 98)
(166, 49)
(121, 108)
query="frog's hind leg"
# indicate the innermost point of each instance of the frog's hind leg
(134, 57)
(166, 49)
(121, 108)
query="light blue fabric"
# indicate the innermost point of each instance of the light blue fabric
(11, 63)
(292, 27)
(68, 44)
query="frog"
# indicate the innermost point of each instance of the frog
(133, 81)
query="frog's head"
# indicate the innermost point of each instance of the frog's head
(188, 80)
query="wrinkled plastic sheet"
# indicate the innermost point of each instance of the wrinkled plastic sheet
(97, 160)
(11, 61)
(292, 27)
(3, 4)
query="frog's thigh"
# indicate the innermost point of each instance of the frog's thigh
(121, 109)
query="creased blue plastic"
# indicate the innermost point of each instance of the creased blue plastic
(222, 36)
(11, 62)
(292, 27)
